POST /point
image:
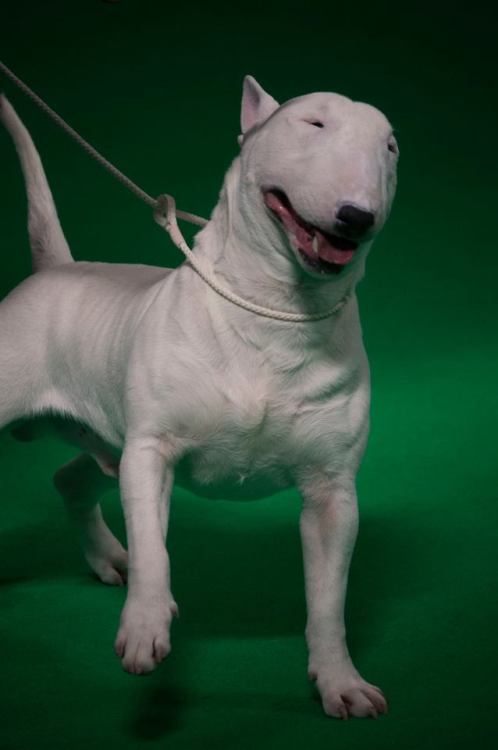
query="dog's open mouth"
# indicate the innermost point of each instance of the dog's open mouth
(321, 251)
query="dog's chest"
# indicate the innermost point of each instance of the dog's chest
(247, 440)
(268, 419)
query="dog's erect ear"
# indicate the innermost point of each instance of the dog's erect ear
(257, 105)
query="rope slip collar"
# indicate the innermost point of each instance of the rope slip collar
(165, 213)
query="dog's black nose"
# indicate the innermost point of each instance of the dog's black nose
(354, 219)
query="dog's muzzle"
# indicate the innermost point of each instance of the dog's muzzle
(321, 250)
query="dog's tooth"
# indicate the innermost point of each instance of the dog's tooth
(314, 245)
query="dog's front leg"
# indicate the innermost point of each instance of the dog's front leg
(143, 637)
(329, 524)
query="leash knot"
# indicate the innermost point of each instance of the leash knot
(164, 211)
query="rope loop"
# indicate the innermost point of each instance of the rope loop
(164, 214)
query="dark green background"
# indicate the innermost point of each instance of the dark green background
(156, 86)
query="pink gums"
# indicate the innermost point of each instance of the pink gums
(331, 249)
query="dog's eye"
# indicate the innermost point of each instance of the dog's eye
(392, 146)
(315, 123)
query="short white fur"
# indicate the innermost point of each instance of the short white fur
(164, 380)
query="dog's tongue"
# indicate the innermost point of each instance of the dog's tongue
(332, 249)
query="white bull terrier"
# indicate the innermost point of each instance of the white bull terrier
(161, 378)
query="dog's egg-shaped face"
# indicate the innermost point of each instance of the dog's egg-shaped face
(324, 168)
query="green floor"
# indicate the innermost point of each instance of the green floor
(158, 90)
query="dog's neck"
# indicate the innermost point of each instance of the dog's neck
(246, 253)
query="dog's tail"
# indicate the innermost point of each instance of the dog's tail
(48, 244)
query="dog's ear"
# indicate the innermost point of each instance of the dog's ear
(257, 105)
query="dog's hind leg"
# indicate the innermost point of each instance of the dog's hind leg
(81, 482)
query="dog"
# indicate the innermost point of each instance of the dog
(157, 378)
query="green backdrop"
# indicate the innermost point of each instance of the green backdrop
(156, 86)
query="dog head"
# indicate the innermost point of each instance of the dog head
(319, 175)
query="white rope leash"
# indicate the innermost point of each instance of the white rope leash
(93, 151)
(165, 214)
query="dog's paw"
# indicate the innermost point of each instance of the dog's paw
(109, 561)
(345, 693)
(143, 639)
